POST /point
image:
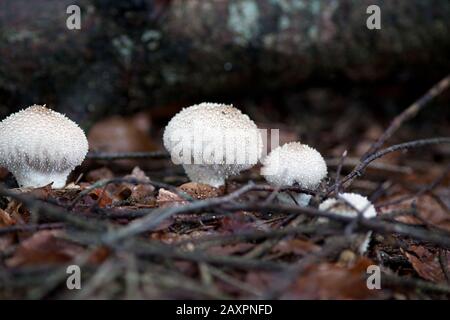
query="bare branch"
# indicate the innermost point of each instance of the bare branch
(408, 114)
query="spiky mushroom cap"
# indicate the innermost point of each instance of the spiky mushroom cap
(40, 146)
(212, 141)
(347, 206)
(294, 163)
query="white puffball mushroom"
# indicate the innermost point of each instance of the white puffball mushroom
(40, 146)
(346, 207)
(212, 141)
(354, 201)
(294, 163)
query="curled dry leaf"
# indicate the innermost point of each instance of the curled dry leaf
(426, 262)
(99, 197)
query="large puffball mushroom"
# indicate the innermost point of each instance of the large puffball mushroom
(40, 146)
(349, 205)
(212, 141)
(294, 163)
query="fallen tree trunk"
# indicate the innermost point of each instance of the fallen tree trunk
(134, 54)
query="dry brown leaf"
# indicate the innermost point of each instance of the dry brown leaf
(332, 281)
(142, 194)
(99, 255)
(7, 239)
(138, 193)
(6, 219)
(167, 198)
(44, 247)
(99, 174)
(17, 211)
(427, 207)
(261, 280)
(241, 221)
(201, 191)
(138, 174)
(426, 263)
(99, 197)
(295, 246)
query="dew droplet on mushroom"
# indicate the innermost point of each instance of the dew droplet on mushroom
(294, 164)
(212, 142)
(40, 146)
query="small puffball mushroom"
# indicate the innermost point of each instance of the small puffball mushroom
(212, 141)
(348, 204)
(40, 146)
(294, 163)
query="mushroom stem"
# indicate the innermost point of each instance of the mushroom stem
(205, 174)
(32, 178)
(365, 243)
(300, 199)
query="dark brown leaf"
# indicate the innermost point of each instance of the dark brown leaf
(44, 247)
(332, 281)
(426, 263)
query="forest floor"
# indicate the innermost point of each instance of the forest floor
(139, 230)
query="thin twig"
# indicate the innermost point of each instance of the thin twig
(54, 212)
(338, 172)
(109, 156)
(409, 113)
(420, 192)
(31, 227)
(438, 237)
(358, 170)
(351, 162)
(147, 223)
(392, 281)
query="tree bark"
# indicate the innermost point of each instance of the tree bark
(141, 53)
